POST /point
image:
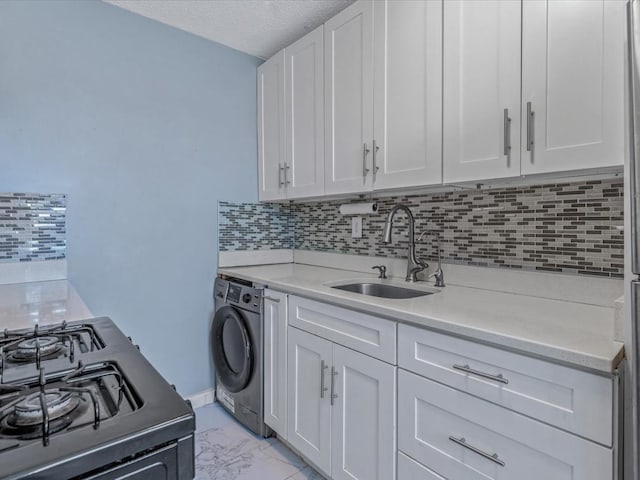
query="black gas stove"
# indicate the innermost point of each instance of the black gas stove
(79, 401)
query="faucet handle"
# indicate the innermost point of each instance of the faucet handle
(439, 277)
(382, 269)
(421, 265)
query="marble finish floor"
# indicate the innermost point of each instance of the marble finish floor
(225, 450)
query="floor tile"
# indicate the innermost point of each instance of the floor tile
(221, 445)
(225, 450)
(212, 416)
(307, 473)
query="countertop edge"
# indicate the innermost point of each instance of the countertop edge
(556, 354)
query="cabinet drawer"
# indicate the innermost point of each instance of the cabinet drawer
(409, 469)
(465, 438)
(573, 400)
(371, 335)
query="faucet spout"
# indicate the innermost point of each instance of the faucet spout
(388, 226)
(414, 266)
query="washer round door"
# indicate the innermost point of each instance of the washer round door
(232, 349)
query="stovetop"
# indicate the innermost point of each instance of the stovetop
(37, 409)
(64, 342)
(76, 396)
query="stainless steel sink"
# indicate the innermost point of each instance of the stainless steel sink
(380, 290)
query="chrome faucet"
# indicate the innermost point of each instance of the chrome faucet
(438, 274)
(413, 264)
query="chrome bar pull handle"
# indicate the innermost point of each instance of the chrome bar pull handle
(489, 456)
(365, 152)
(280, 171)
(507, 133)
(375, 150)
(272, 299)
(323, 367)
(529, 128)
(334, 395)
(286, 168)
(468, 369)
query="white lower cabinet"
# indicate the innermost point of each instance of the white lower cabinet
(461, 437)
(570, 399)
(275, 361)
(308, 404)
(341, 408)
(452, 409)
(409, 469)
(362, 421)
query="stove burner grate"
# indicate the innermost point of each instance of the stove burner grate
(27, 350)
(51, 410)
(46, 343)
(36, 411)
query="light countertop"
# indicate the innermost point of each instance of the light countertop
(23, 305)
(577, 334)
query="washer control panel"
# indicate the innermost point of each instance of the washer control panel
(231, 293)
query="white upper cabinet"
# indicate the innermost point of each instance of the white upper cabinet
(348, 96)
(408, 93)
(393, 94)
(573, 80)
(291, 121)
(304, 116)
(481, 90)
(271, 143)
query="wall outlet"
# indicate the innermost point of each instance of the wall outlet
(356, 227)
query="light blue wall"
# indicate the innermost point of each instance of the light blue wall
(145, 127)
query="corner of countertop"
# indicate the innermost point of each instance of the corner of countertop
(618, 319)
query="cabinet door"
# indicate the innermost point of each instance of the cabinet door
(481, 89)
(304, 116)
(348, 87)
(371, 335)
(275, 361)
(461, 437)
(363, 419)
(573, 400)
(408, 93)
(409, 469)
(573, 78)
(271, 154)
(309, 407)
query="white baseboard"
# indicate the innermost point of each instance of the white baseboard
(203, 398)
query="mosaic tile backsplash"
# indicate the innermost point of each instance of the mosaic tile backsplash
(567, 227)
(32, 227)
(251, 226)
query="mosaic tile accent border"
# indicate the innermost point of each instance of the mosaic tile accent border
(32, 227)
(563, 227)
(567, 227)
(251, 226)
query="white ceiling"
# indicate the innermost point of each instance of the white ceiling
(257, 27)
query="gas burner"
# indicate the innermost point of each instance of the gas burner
(51, 404)
(27, 419)
(29, 411)
(46, 343)
(27, 350)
